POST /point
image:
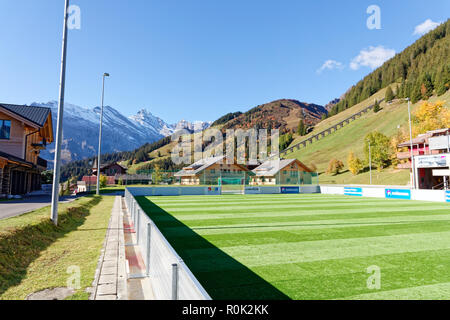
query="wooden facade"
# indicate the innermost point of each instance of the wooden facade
(28, 132)
(110, 169)
(290, 172)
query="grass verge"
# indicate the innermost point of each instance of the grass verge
(35, 255)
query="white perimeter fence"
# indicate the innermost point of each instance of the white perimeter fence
(170, 277)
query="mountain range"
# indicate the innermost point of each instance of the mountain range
(81, 127)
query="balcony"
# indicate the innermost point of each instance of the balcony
(41, 163)
(407, 154)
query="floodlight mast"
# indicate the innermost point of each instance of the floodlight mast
(100, 136)
(59, 129)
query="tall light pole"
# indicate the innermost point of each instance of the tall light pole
(370, 162)
(62, 86)
(100, 136)
(413, 176)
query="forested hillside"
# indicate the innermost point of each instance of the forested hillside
(421, 68)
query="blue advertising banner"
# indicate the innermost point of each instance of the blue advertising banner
(357, 192)
(398, 194)
(447, 196)
(290, 190)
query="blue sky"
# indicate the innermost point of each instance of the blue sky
(200, 59)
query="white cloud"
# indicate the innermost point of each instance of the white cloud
(330, 64)
(373, 57)
(425, 27)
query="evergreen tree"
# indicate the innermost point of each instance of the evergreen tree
(389, 94)
(301, 130)
(376, 107)
(416, 93)
(426, 87)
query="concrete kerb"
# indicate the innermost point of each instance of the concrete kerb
(110, 276)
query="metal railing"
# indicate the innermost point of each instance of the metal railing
(170, 277)
(328, 131)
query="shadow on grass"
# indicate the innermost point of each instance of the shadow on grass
(223, 277)
(20, 247)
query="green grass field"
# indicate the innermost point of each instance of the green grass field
(308, 246)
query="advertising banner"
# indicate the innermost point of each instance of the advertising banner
(290, 190)
(252, 190)
(398, 194)
(357, 192)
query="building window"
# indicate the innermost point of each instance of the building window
(213, 171)
(5, 129)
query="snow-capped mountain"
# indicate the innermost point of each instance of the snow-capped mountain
(120, 133)
(193, 127)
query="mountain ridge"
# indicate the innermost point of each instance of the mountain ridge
(81, 126)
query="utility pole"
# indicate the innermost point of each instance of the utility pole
(100, 136)
(62, 85)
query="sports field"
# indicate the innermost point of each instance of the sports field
(308, 246)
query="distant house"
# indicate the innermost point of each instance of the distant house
(24, 132)
(281, 171)
(431, 152)
(211, 170)
(110, 169)
(423, 144)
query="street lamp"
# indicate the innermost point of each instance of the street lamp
(62, 86)
(413, 176)
(370, 162)
(100, 136)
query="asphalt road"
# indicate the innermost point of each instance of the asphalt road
(14, 208)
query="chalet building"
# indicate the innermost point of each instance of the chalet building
(24, 132)
(109, 170)
(431, 152)
(211, 171)
(282, 171)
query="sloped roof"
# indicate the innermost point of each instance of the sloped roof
(198, 166)
(272, 167)
(423, 138)
(37, 115)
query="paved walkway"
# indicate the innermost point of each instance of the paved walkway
(121, 273)
(110, 279)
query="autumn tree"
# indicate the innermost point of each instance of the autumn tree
(335, 166)
(157, 175)
(431, 116)
(103, 181)
(355, 165)
(380, 148)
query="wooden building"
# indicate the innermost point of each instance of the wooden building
(24, 132)
(282, 171)
(109, 170)
(211, 171)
